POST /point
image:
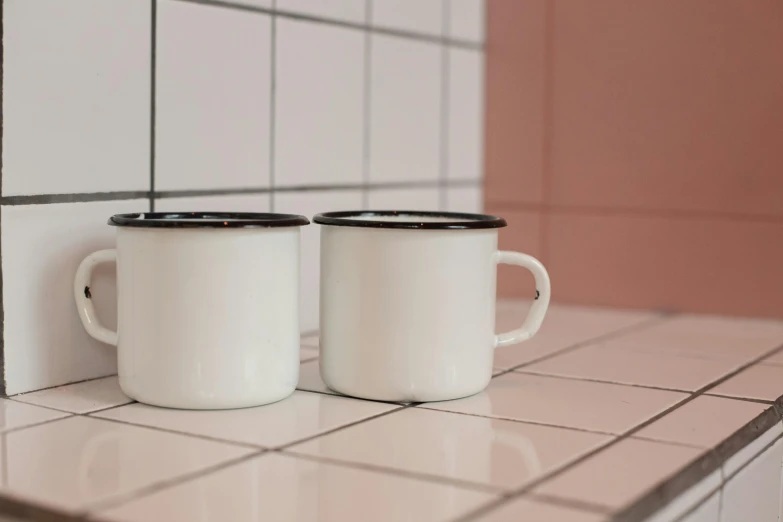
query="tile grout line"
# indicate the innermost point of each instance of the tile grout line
(422, 406)
(445, 67)
(87, 197)
(417, 475)
(746, 399)
(130, 496)
(367, 113)
(388, 31)
(600, 381)
(153, 95)
(549, 476)
(641, 325)
(62, 385)
(272, 105)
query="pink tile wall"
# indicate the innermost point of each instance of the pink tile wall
(643, 142)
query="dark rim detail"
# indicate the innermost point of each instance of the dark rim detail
(365, 218)
(207, 220)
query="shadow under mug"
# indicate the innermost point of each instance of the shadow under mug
(207, 312)
(408, 303)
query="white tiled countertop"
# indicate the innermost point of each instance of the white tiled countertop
(578, 424)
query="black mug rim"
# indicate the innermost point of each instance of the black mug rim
(207, 220)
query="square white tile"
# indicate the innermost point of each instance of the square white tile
(299, 416)
(595, 406)
(602, 362)
(466, 114)
(755, 492)
(346, 10)
(319, 104)
(213, 97)
(405, 109)
(705, 421)
(404, 199)
(228, 203)
(737, 340)
(76, 102)
(45, 342)
(503, 455)
(465, 199)
(76, 96)
(77, 462)
(308, 204)
(526, 510)
(467, 20)
(282, 488)
(82, 397)
(760, 381)
(750, 451)
(620, 473)
(564, 326)
(15, 415)
(409, 15)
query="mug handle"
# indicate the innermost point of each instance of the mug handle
(81, 291)
(537, 312)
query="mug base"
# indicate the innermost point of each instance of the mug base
(421, 396)
(212, 403)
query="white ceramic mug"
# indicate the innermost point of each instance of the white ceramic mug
(408, 303)
(207, 313)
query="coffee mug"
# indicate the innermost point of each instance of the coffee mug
(207, 312)
(408, 303)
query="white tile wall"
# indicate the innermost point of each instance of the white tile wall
(466, 20)
(240, 203)
(76, 96)
(341, 104)
(346, 10)
(45, 343)
(466, 114)
(405, 113)
(756, 491)
(213, 97)
(420, 16)
(319, 120)
(404, 199)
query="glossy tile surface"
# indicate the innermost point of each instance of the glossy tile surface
(704, 421)
(620, 473)
(762, 381)
(78, 461)
(602, 407)
(524, 510)
(466, 448)
(15, 415)
(609, 362)
(299, 416)
(82, 397)
(563, 326)
(306, 353)
(283, 488)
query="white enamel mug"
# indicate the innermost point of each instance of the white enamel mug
(207, 313)
(408, 303)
